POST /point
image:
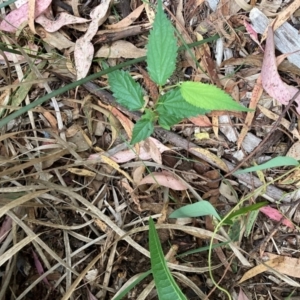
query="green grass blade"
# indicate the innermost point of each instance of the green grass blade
(124, 292)
(167, 288)
(7, 3)
(279, 161)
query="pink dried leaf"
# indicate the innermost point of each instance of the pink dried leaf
(166, 179)
(39, 267)
(90, 295)
(242, 295)
(253, 34)
(5, 228)
(251, 31)
(271, 80)
(61, 20)
(275, 215)
(202, 121)
(18, 16)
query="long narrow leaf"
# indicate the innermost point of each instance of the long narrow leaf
(279, 161)
(123, 292)
(198, 209)
(167, 288)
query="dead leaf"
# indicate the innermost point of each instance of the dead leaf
(84, 49)
(81, 172)
(213, 157)
(164, 178)
(272, 263)
(127, 155)
(242, 295)
(154, 151)
(61, 20)
(129, 19)
(114, 165)
(120, 49)
(285, 123)
(256, 94)
(201, 121)
(18, 16)
(285, 13)
(294, 151)
(274, 214)
(55, 39)
(271, 80)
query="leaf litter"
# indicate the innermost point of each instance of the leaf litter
(70, 192)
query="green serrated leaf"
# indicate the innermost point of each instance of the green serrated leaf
(279, 161)
(166, 121)
(166, 287)
(172, 103)
(209, 97)
(126, 91)
(162, 48)
(198, 209)
(172, 108)
(142, 129)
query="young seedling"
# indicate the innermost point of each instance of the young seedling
(187, 99)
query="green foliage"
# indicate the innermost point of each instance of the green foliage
(143, 128)
(208, 97)
(198, 209)
(126, 288)
(172, 108)
(162, 48)
(279, 161)
(188, 100)
(166, 287)
(245, 210)
(127, 92)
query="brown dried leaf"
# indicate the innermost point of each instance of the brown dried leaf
(129, 19)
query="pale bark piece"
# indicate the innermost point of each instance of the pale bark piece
(287, 38)
(120, 49)
(271, 80)
(227, 129)
(61, 20)
(250, 142)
